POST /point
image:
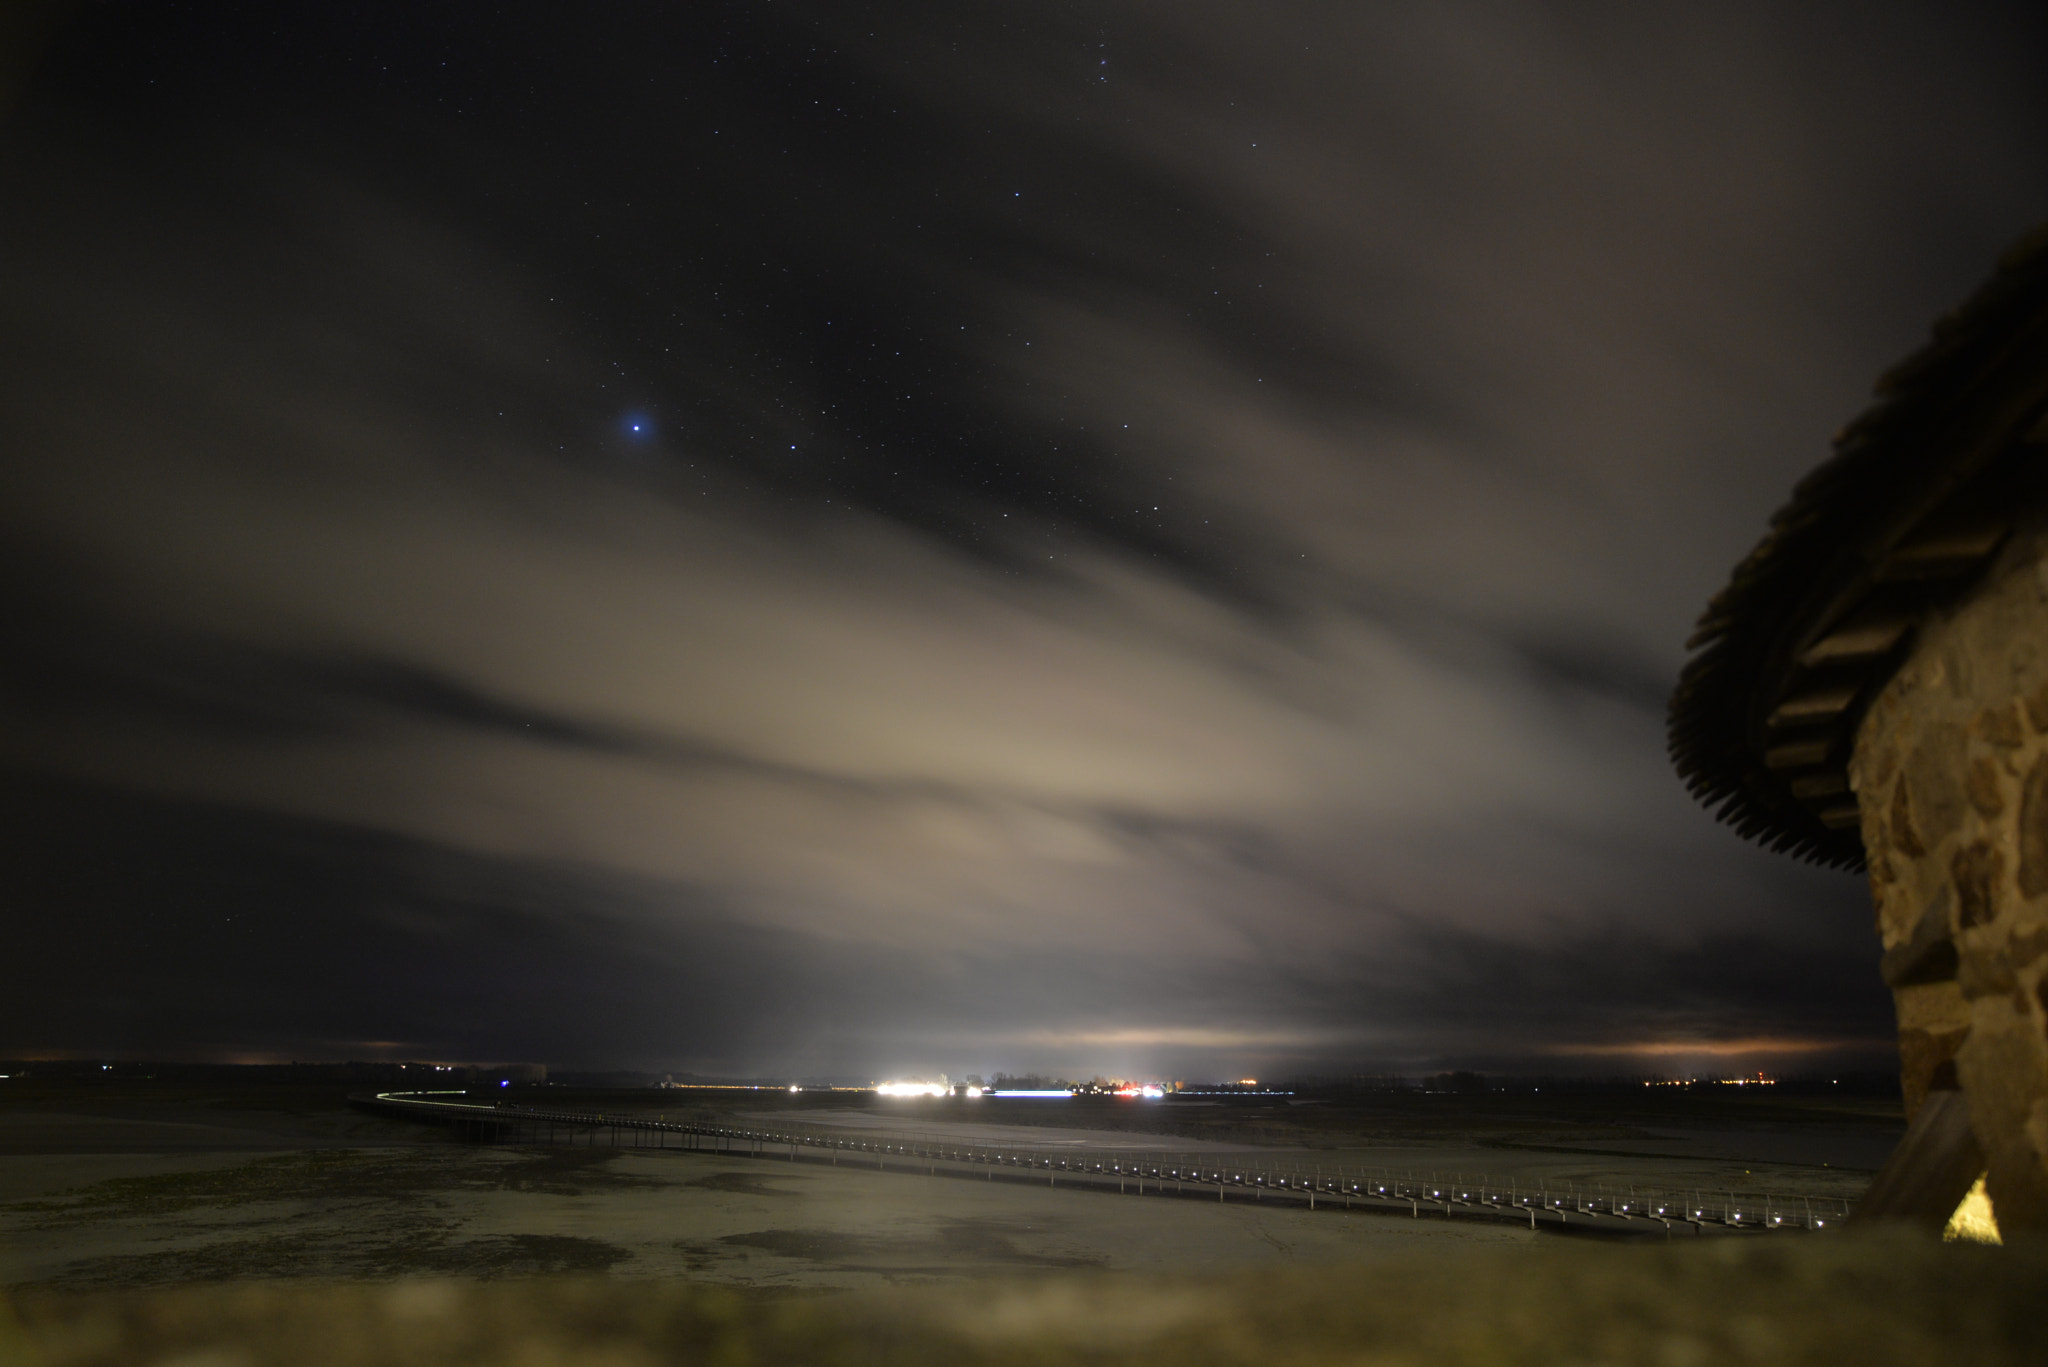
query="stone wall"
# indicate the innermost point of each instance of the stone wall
(1951, 775)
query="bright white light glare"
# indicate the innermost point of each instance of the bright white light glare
(912, 1088)
(794, 1088)
(974, 1091)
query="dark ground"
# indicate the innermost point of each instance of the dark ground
(138, 1182)
(133, 1181)
(148, 1221)
(1875, 1302)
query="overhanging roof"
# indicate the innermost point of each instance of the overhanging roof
(1917, 498)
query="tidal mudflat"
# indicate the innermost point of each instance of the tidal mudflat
(139, 1186)
(486, 1212)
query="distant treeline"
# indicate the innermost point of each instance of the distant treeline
(1026, 1082)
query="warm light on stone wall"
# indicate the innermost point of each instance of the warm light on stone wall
(1951, 773)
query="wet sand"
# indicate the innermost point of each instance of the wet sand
(165, 1184)
(479, 1211)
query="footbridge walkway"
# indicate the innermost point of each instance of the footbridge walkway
(1301, 1179)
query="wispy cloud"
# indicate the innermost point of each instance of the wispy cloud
(1236, 632)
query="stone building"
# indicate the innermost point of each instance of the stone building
(1870, 691)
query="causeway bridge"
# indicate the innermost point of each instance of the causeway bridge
(1300, 1179)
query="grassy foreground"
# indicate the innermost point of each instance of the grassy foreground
(1867, 1300)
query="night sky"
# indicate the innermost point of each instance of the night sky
(825, 539)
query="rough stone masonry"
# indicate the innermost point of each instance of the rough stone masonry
(1950, 772)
